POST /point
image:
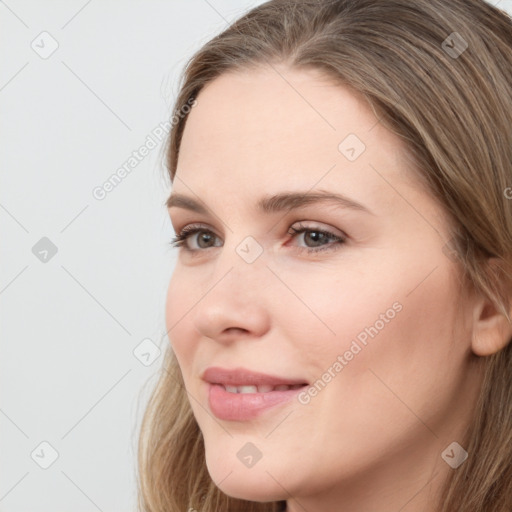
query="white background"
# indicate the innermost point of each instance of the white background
(70, 325)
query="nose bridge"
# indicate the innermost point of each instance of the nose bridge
(236, 295)
(243, 265)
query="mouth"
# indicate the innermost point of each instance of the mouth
(242, 380)
(240, 394)
(263, 388)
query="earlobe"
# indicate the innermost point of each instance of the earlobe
(491, 329)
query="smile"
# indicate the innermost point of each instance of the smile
(241, 394)
(264, 388)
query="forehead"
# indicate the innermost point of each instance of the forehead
(277, 128)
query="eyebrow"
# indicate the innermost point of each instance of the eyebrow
(277, 202)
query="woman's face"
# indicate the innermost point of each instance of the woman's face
(361, 306)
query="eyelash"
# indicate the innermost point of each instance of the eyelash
(179, 241)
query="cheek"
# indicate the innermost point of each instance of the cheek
(395, 387)
(410, 302)
(392, 324)
(407, 354)
(179, 301)
(334, 304)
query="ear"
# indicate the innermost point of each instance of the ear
(491, 329)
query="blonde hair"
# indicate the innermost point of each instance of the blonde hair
(452, 105)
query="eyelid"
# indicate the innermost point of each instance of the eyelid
(315, 225)
(321, 226)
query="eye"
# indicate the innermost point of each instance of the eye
(181, 239)
(318, 236)
(320, 239)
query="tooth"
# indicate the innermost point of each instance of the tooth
(265, 388)
(282, 387)
(231, 389)
(247, 389)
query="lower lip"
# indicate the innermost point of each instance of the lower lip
(245, 406)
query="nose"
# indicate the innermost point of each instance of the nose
(236, 303)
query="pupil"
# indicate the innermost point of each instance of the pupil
(317, 235)
(203, 237)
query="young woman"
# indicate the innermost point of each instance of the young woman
(339, 314)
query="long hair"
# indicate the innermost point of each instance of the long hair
(438, 74)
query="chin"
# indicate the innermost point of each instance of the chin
(238, 481)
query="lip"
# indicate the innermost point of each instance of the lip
(245, 406)
(245, 377)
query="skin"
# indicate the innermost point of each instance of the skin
(372, 438)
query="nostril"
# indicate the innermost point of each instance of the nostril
(235, 330)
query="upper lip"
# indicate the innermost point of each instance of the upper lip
(245, 377)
